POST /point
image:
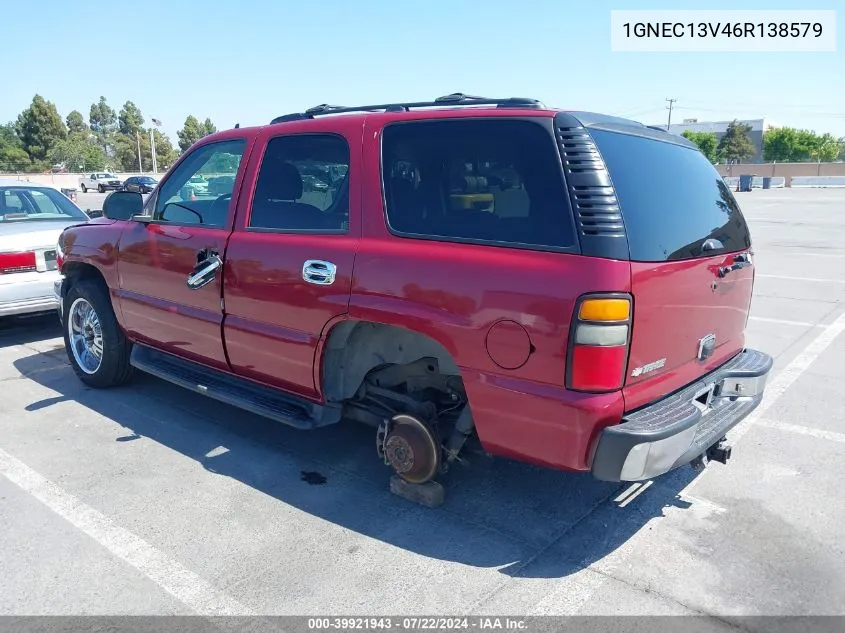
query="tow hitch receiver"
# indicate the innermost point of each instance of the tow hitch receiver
(720, 451)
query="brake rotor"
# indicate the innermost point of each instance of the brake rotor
(411, 447)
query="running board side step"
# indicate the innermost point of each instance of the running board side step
(238, 392)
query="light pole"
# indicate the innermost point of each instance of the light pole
(156, 123)
(138, 141)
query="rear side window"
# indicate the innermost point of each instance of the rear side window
(672, 199)
(303, 185)
(493, 181)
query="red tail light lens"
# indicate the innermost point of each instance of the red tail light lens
(17, 262)
(598, 343)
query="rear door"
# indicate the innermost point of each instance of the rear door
(691, 266)
(289, 261)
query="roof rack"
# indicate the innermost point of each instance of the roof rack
(454, 99)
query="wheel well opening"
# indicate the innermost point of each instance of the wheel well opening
(390, 377)
(75, 272)
(355, 348)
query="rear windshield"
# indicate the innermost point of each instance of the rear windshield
(672, 199)
(475, 180)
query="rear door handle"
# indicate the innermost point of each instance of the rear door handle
(740, 261)
(319, 272)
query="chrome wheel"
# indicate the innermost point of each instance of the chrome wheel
(85, 335)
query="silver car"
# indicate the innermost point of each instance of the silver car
(32, 217)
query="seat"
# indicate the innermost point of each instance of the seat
(407, 208)
(275, 204)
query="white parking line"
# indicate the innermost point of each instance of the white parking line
(785, 321)
(803, 430)
(812, 279)
(784, 379)
(571, 593)
(183, 584)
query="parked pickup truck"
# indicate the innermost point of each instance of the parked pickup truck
(101, 181)
(579, 314)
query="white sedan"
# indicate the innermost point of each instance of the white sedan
(32, 217)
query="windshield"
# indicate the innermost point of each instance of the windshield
(32, 204)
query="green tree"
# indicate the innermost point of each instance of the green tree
(103, 122)
(707, 142)
(76, 124)
(793, 145)
(130, 119)
(191, 132)
(841, 149)
(78, 152)
(827, 148)
(126, 151)
(208, 127)
(166, 155)
(13, 157)
(39, 128)
(736, 144)
(780, 144)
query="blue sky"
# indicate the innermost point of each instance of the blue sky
(249, 61)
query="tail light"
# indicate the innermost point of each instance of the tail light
(22, 262)
(598, 343)
(60, 253)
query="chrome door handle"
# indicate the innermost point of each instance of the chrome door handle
(204, 273)
(316, 271)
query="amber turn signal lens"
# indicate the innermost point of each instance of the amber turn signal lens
(604, 310)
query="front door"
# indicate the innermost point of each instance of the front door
(288, 270)
(170, 265)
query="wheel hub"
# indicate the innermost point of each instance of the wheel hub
(412, 449)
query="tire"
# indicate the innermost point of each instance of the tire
(101, 189)
(113, 368)
(84, 189)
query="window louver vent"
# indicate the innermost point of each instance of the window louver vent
(596, 207)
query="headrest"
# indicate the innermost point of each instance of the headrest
(282, 182)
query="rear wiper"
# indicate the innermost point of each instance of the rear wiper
(711, 245)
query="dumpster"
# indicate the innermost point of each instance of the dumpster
(745, 182)
(69, 192)
(767, 182)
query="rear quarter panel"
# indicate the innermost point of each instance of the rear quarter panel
(456, 294)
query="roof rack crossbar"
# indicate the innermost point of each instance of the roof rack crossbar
(454, 99)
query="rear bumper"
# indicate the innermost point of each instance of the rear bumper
(30, 295)
(674, 431)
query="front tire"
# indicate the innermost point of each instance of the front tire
(97, 348)
(101, 189)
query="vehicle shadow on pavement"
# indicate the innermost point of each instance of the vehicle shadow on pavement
(20, 330)
(526, 521)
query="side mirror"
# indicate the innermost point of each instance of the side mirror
(95, 213)
(123, 205)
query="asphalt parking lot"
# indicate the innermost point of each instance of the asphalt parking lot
(153, 500)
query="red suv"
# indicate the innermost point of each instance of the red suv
(563, 288)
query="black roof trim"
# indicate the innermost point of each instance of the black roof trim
(454, 99)
(592, 120)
